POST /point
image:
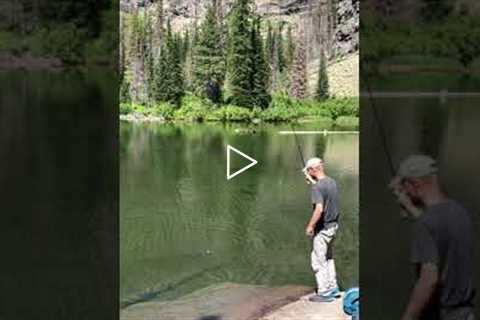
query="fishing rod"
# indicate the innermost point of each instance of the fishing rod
(383, 137)
(297, 142)
(381, 128)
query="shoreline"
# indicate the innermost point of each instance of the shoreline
(29, 62)
(239, 302)
(225, 300)
(139, 118)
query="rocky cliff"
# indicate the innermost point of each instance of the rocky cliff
(335, 33)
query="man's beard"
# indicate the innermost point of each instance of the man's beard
(416, 201)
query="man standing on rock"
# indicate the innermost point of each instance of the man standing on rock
(322, 228)
(442, 246)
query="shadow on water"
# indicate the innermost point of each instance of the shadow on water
(58, 154)
(184, 226)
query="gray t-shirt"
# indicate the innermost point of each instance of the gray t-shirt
(443, 235)
(325, 192)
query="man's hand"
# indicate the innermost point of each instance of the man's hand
(309, 231)
(308, 178)
(403, 199)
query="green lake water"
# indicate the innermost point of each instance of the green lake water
(183, 226)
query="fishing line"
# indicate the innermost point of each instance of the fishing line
(381, 128)
(297, 142)
(302, 158)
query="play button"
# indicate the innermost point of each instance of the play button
(252, 162)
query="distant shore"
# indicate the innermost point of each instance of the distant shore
(324, 122)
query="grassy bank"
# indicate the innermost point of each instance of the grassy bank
(341, 112)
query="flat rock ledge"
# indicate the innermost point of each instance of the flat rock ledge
(226, 301)
(230, 301)
(306, 310)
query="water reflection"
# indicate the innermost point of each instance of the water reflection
(184, 226)
(59, 194)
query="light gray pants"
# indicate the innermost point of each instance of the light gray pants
(457, 314)
(322, 259)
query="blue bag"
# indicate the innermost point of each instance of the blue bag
(351, 301)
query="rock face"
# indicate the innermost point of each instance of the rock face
(336, 33)
(346, 34)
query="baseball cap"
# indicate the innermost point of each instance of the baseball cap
(417, 166)
(313, 162)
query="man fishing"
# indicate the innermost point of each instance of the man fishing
(442, 246)
(322, 228)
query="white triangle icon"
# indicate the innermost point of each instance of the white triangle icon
(252, 162)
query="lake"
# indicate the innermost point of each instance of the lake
(183, 226)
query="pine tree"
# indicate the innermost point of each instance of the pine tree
(185, 46)
(239, 58)
(169, 82)
(322, 86)
(159, 25)
(290, 48)
(209, 63)
(298, 82)
(279, 50)
(270, 44)
(148, 58)
(136, 57)
(189, 60)
(260, 69)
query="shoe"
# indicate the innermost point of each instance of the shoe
(335, 293)
(321, 298)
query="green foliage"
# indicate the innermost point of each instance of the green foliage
(185, 46)
(260, 77)
(290, 48)
(345, 122)
(164, 110)
(341, 107)
(279, 44)
(73, 31)
(99, 51)
(464, 35)
(322, 84)
(248, 71)
(168, 81)
(209, 62)
(126, 108)
(276, 57)
(279, 114)
(9, 42)
(65, 42)
(231, 114)
(193, 109)
(456, 38)
(282, 108)
(312, 108)
(270, 44)
(239, 71)
(435, 10)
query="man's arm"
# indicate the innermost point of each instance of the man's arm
(316, 215)
(423, 291)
